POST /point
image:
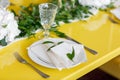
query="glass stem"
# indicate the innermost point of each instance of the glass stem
(46, 33)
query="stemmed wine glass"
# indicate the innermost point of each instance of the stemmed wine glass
(47, 13)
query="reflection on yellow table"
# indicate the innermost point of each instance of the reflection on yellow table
(97, 33)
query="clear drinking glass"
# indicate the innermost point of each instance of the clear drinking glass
(47, 15)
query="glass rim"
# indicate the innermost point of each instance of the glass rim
(55, 6)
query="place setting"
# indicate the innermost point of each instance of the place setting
(55, 53)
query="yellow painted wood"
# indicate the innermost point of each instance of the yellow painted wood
(112, 67)
(97, 33)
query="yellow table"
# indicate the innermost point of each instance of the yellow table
(97, 33)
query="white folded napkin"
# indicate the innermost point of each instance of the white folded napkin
(58, 54)
(116, 12)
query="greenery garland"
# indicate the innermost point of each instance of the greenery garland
(29, 20)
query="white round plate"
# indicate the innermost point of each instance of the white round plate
(43, 58)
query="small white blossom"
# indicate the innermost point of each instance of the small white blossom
(8, 26)
(95, 3)
(4, 3)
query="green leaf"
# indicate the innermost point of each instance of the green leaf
(71, 55)
(4, 26)
(3, 42)
(47, 42)
(51, 47)
(60, 42)
(58, 33)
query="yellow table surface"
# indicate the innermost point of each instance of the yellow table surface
(97, 33)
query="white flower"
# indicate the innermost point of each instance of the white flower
(8, 26)
(4, 3)
(3, 33)
(95, 3)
